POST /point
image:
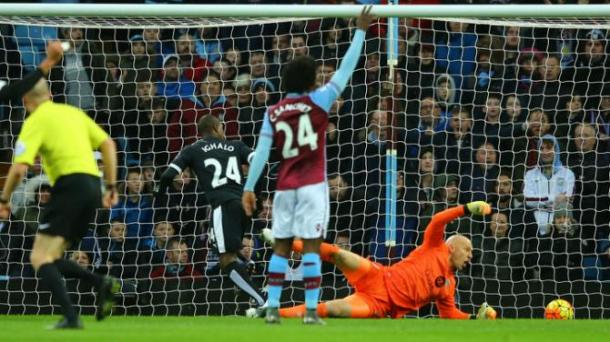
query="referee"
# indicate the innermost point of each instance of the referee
(65, 137)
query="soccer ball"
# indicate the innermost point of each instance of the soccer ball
(559, 309)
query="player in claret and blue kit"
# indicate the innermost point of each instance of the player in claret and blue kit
(297, 127)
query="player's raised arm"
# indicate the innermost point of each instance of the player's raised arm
(261, 155)
(326, 95)
(435, 231)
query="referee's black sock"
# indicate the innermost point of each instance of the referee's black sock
(238, 274)
(50, 276)
(70, 269)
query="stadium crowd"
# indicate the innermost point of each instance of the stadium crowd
(518, 117)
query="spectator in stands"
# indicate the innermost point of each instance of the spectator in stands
(502, 250)
(324, 72)
(193, 67)
(548, 185)
(507, 198)
(183, 203)
(210, 91)
(225, 70)
(568, 115)
(73, 81)
(156, 47)
(82, 258)
(338, 136)
(420, 77)
(348, 207)
(153, 134)
(601, 119)
(512, 44)
(279, 49)
(177, 263)
(456, 54)
(527, 70)
(34, 206)
(537, 126)
(445, 95)
(369, 149)
(174, 84)
(136, 65)
(512, 131)
(489, 127)
(489, 73)
(136, 209)
(163, 232)
(334, 43)
(208, 47)
(265, 212)
(478, 176)
(298, 46)
(454, 148)
(591, 167)
(590, 71)
(559, 254)
(246, 255)
(260, 69)
(233, 57)
(118, 253)
(551, 89)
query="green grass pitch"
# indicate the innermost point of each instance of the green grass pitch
(186, 329)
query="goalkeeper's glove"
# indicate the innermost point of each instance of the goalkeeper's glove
(479, 208)
(486, 312)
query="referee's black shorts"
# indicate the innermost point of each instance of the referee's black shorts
(71, 210)
(229, 222)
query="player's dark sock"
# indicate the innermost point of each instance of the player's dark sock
(50, 277)
(277, 272)
(70, 269)
(312, 277)
(238, 274)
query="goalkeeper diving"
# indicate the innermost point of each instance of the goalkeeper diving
(425, 275)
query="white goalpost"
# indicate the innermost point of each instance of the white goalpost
(449, 104)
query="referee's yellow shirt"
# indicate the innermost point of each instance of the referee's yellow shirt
(64, 136)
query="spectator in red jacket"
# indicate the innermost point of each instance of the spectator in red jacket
(177, 262)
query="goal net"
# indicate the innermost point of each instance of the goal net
(515, 112)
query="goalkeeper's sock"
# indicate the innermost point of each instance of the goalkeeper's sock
(327, 250)
(312, 276)
(238, 274)
(70, 269)
(275, 279)
(50, 277)
(299, 311)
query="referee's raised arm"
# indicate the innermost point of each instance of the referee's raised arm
(14, 91)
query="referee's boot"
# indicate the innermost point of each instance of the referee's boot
(105, 297)
(311, 318)
(66, 324)
(272, 316)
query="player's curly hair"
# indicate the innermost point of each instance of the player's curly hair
(299, 75)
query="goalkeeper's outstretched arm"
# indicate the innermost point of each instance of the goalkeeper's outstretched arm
(435, 232)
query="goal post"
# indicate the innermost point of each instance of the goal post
(509, 104)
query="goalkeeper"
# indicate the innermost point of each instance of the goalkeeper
(426, 275)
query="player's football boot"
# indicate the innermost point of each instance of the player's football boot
(105, 297)
(65, 324)
(272, 316)
(311, 318)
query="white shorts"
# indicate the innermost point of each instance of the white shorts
(301, 212)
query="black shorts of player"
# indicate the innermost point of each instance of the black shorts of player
(71, 209)
(229, 222)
